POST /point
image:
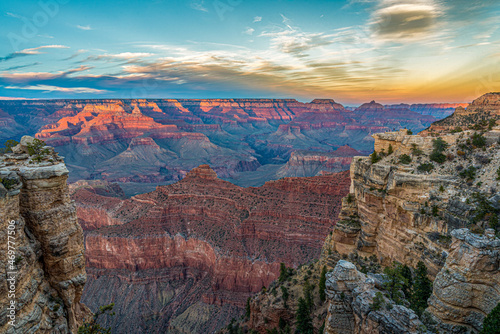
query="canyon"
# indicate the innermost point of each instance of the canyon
(157, 141)
(185, 257)
(429, 198)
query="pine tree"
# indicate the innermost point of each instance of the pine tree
(422, 289)
(308, 296)
(283, 272)
(408, 281)
(322, 284)
(284, 292)
(394, 282)
(247, 309)
(390, 150)
(491, 324)
(304, 321)
(374, 157)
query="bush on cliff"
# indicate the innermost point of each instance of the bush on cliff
(322, 284)
(394, 282)
(439, 146)
(9, 144)
(92, 327)
(491, 324)
(374, 157)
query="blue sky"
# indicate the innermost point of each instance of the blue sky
(352, 51)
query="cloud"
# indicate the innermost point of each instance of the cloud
(32, 51)
(198, 5)
(296, 42)
(48, 89)
(404, 19)
(257, 19)
(87, 27)
(249, 31)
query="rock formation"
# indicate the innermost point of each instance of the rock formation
(194, 251)
(350, 295)
(468, 286)
(45, 276)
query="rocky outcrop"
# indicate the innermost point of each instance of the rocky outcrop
(310, 163)
(478, 113)
(468, 287)
(44, 276)
(200, 246)
(350, 295)
(400, 212)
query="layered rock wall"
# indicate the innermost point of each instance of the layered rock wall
(47, 274)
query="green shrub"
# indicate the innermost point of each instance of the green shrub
(8, 183)
(378, 301)
(437, 157)
(390, 150)
(469, 173)
(9, 144)
(425, 167)
(478, 140)
(374, 157)
(457, 129)
(92, 327)
(322, 284)
(491, 324)
(405, 159)
(36, 149)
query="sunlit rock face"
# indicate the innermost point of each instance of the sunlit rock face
(194, 251)
(48, 241)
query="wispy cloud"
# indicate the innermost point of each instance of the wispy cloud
(32, 51)
(257, 19)
(48, 89)
(198, 5)
(248, 31)
(87, 27)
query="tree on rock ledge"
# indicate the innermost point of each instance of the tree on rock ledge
(304, 321)
(491, 324)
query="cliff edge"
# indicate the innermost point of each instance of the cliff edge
(42, 268)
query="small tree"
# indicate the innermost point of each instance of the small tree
(283, 273)
(405, 159)
(247, 309)
(491, 324)
(308, 296)
(36, 150)
(422, 289)
(408, 280)
(378, 301)
(9, 144)
(92, 327)
(304, 321)
(322, 284)
(374, 158)
(390, 150)
(394, 282)
(284, 292)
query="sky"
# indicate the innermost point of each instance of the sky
(353, 51)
